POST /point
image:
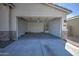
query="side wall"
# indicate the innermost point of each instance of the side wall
(55, 27)
(75, 27)
(22, 27)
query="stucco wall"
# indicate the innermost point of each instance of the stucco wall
(33, 10)
(74, 23)
(4, 18)
(4, 23)
(55, 27)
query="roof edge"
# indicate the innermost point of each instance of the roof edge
(58, 7)
(74, 17)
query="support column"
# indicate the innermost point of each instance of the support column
(12, 33)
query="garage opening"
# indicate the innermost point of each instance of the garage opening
(37, 25)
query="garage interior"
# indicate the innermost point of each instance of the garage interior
(38, 25)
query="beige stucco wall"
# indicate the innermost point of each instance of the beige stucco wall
(35, 10)
(4, 18)
(75, 26)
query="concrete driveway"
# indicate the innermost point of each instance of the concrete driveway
(36, 45)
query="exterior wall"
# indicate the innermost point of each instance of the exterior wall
(4, 23)
(64, 28)
(9, 26)
(74, 23)
(35, 27)
(34, 10)
(4, 18)
(65, 31)
(54, 27)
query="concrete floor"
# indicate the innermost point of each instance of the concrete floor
(36, 45)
